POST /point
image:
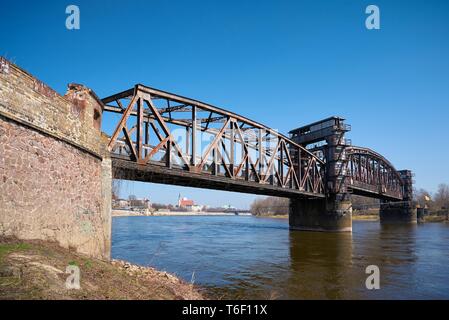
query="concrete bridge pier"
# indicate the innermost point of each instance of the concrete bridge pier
(398, 212)
(333, 214)
(401, 211)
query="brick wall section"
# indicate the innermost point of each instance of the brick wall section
(55, 173)
(25, 98)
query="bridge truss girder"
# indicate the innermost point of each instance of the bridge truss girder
(369, 173)
(157, 128)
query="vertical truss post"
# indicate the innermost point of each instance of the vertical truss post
(281, 164)
(273, 155)
(194, 126)
(246, 150)
(187, 140)
(261, 152)
(232, 155)
(168, 154)
(147, 138)
(299, 165)
(214, 159)
(360, 168)
(139, 129)
(352, 168)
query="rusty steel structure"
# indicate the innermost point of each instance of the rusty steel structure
(166, 138)
(351, 169)
(370, 174)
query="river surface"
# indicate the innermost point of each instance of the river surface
(238, 257)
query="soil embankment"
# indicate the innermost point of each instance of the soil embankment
(37, 270)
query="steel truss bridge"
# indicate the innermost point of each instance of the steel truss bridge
(370, 174)
(167, 138)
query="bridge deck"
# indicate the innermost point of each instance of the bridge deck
(371, 192)
(130, 170)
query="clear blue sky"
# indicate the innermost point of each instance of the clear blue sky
(282, 63)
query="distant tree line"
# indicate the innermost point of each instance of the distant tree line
(270, 206)
(437, 203)
(364, 205)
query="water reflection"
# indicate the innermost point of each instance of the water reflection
(395, 254)
(319, 264)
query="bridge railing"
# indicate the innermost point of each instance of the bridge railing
(160, 128)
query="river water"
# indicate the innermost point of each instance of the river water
(244, 257)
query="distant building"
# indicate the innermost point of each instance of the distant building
(184, 202)
(195, 208)
(140, 203)
(120, 203)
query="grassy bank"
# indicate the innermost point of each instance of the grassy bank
(36, 270)
(365, 217)
(434, 218)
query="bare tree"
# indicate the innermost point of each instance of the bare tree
(441, 198)
(116, 186)
(423, 198)
(362, 202)
(270, 206)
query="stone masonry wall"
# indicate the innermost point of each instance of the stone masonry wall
(55, 173)
(71, 117)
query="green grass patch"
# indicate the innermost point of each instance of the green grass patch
(7, 248)
(9, 281)
(73, 263)
(88, 264)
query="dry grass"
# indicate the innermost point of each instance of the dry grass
(276, 216)
(434, 218)
(36, 270)
(365, 217)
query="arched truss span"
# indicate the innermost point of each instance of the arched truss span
(370, 173)
(167, 138)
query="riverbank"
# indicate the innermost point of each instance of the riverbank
(354, 217)
(365, 217)
(434, 218)
(130, 213)
(278, 216)
(36, 270)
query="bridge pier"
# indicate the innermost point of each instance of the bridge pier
(332, 214)
(403, 211)
(398, 212)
